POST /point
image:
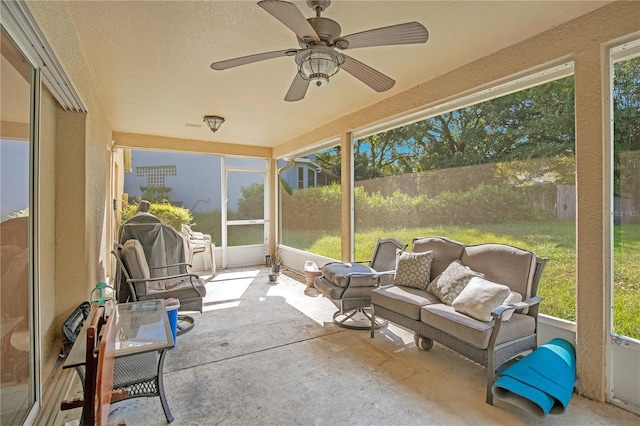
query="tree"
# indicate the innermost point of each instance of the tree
(251, 205)
(330, 160)
(626, 127)
(532, 123)
(155, 194)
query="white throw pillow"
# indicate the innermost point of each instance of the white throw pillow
(480, 297)
(511, 299)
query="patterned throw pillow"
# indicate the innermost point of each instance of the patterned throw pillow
(413, 269)
(448, 285)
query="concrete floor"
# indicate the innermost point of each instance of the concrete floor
(269, 354)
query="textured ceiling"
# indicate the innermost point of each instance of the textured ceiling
(150, 60)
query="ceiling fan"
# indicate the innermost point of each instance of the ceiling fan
(318, 37)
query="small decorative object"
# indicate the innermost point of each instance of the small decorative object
(273, 278)
(98, 294)
(311, 271)
(269, 260)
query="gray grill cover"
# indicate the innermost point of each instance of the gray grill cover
(162, 245)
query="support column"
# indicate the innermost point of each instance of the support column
(591, 88)
(346, 187)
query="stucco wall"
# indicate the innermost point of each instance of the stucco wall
(46, 220)
(72, 255)
(82, 143)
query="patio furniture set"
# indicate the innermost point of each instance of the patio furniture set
(479, 300)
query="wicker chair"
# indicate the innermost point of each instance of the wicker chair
(349, 285)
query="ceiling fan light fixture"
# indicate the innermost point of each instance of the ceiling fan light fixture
(214, 122)
(317, 65)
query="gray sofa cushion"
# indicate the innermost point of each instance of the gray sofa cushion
(444, 250)
(502, 264)
(472, 331)
(403, 300)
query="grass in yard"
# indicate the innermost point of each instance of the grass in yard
(553, 240)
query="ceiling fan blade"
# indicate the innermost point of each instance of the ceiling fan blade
(290, 15)
(372, 78)
(230, 63)
(409, 33)
(297, 90)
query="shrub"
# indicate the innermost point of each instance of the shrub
(172, 215)
(209, 223)
(316, 208)
(482, 204)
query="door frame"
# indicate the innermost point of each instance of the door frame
(623, 353)
(250, 254)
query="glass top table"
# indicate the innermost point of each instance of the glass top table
(141, 327)
(143, 335)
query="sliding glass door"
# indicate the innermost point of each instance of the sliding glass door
(17, 381)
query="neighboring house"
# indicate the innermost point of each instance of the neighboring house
(306, 173)
(194, 179)
(178, 172)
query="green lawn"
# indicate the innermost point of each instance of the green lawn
(553, 240)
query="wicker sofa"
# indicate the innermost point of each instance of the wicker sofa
(464, 317)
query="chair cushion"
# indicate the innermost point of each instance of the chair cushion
(327, 288)
(413, 269)
(472, 331)
(403, 300)
(183, 294)
(335, 292)
(137, 263)
(341, 274)
(185, 283)
(479, 298)
(176, 285)
(448, 285)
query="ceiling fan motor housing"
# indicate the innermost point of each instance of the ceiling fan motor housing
(327, 29)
